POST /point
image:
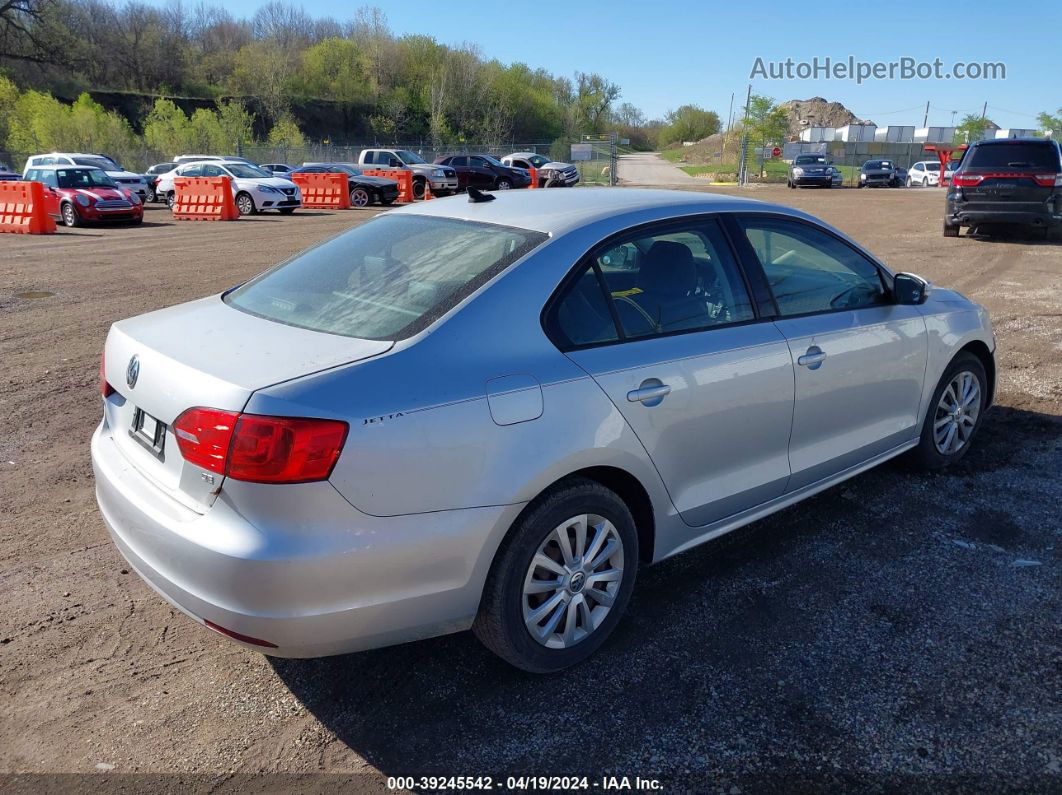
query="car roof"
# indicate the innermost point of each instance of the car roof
(998, 141)
(64, 167)
(557, 212)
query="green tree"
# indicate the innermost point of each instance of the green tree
(286, 133)
(167, 129)
(8, 97)
(334, 69)
(690, 123)
(1051, 123)
(971, 128)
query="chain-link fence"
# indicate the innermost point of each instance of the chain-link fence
(597, 158)
(141, 159)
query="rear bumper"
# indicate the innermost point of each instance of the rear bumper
(335, 581)
(965, 214)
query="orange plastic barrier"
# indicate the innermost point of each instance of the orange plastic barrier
(534, 178)
(323, 191)
(204, 199)
(402, 177)
(22, 210)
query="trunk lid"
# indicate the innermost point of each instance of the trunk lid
(203, 353)
(1010, 174)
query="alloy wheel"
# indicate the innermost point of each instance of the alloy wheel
(69, 215)
(573, 581)
(359, 197)
(245, 204)
(957, 412)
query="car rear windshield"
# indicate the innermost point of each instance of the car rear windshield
(386, 279)
(1017, 155)
(803, 160)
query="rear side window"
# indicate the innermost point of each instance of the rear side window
(386, 279)
(1030, 155)
(811, 271)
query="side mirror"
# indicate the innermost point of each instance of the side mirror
(910, 290)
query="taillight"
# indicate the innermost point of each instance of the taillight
(204, 436)
(260, 449)
(966, 180)
(1049, 180)
(105, 389)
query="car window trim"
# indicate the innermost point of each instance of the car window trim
(547, 318)
(884, 274)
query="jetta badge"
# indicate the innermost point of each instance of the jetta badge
(132, 372)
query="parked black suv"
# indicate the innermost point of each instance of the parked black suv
(879, 172)
(1006, 181)
(485, 172)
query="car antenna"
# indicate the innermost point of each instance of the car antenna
(475, 196)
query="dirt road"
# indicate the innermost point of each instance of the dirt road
(648, 168)
(898, 628)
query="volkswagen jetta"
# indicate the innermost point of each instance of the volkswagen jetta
(488, 413)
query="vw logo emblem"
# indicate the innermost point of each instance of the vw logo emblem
(132, 372)
(576, 583)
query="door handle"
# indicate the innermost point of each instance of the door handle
(648, 394)
(813, 358)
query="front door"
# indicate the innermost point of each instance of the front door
(663, 322)
(859, 358)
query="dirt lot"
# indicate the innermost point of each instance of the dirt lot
(899, 630)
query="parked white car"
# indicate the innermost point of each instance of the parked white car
(551, 173)
(923, 174)
(124, 179)
(254, 189)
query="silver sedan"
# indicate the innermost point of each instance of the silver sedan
(488, 414)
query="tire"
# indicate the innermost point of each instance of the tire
(245, 204)
(288, 210)
(359, 197)
(503, 184)
(930, 454)
(908, 183)
(68, 212)
(149, 196)
(790, 184)
(925, 181)
(418, 189)
(951, 230)
(171, 199)
(501, 624)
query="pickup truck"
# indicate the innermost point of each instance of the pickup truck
(443, 179)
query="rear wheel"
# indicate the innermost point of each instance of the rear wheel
(954, 413)
(359, 197)
(561, 579)
(150, 196)
(951, 230)
(245, 204)
(70, 216)
(171, 199)
(504, 184)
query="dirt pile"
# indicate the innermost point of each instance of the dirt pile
(818, 112)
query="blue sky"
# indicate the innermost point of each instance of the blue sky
(680, 51)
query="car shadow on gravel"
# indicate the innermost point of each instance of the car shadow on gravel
(1003, 233)
(896, 627)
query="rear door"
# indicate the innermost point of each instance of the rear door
(1011, 176)
(663, 322)
(859, 359)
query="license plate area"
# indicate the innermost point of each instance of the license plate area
(148, 432)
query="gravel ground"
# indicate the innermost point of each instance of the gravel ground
(900, 631)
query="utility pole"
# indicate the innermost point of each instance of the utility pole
(743, 175)
(925, 119)
(984, 110)
(729, 121)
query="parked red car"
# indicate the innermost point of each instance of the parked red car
(83, 194)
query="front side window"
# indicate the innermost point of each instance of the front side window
(408, 157)
(811, 271)
(386, 279)
(194, 170)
